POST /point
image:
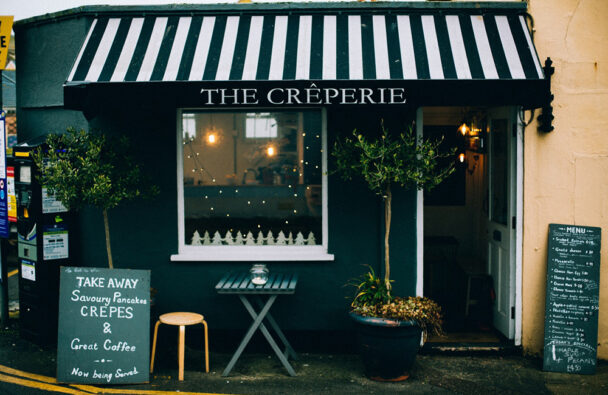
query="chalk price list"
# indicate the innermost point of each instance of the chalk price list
(572, 298)
(98, 344)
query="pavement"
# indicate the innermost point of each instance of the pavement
(26, 368)
(29, 369)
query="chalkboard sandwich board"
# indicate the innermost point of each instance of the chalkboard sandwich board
(104, 326)
(572, 301)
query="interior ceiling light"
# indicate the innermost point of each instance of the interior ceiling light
(271, 151)
(463, 129)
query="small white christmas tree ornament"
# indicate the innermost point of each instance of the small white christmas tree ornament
(196, 239)
(281, 240)
(260, 240)
(238, 240)
(311, 239)
(217, 239)
(249, 240)
(270, 238)
(300, 239)
(206, 239)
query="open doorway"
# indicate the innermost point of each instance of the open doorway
(469, 225)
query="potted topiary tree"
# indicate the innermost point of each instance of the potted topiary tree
(390, 327)
(87, 169)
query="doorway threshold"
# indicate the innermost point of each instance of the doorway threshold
(470, 348)
(471, 342)
(476, 348)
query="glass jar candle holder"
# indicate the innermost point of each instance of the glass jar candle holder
(259, 274)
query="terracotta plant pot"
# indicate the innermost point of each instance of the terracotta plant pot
(388, 347)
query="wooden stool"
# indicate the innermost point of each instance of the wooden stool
(181, 320)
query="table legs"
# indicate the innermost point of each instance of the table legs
(288, 349)
(258, 319)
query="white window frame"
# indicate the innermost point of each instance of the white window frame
(250, 253)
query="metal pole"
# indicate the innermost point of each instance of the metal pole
(3, 284)
(3, 268)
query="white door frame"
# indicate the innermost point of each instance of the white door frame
(519, 220)
(518, 243)
(419, 221)
(501, 250)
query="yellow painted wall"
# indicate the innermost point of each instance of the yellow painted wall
(566, 171)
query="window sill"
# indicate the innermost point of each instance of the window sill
(252, 254)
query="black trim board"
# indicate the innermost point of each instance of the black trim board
(271, 8)
(527, 93)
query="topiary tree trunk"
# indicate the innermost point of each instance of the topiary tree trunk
(106, 227)
(387, 231)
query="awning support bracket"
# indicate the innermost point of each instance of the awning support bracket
(545, 119)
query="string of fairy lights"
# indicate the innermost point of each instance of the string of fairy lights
(194, 155)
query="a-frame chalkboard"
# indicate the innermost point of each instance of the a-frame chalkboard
(571, 311)
(104, 326)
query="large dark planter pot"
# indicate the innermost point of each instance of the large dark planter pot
(388, 347)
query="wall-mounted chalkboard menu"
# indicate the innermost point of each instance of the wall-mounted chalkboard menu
(571, 311)
(104, 326)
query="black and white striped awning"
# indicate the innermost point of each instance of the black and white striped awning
(372, 46)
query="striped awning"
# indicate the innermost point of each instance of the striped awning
(338, 46)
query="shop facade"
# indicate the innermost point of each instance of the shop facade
(233, 109)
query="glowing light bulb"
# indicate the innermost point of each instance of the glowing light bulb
(271, 151)
(463, 128)
(461, 157)
(211, 138)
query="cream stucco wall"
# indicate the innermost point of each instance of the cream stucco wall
(566, 171)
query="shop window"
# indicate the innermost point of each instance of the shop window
(252, 186)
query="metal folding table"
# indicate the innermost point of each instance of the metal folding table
(278, 284)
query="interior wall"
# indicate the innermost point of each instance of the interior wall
(565, 170)
(465, 223)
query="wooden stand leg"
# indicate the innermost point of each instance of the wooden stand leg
(154, 346)
(206, 348)
(254, 327)
(181, 346)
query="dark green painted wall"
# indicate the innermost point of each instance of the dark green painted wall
(144, 233)
(46, 53)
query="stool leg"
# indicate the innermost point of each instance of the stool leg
(154, 346)
(182, 341)
(206, 348)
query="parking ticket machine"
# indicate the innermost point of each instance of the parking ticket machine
(43, 226)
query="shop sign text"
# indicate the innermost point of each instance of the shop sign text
(298, 96)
